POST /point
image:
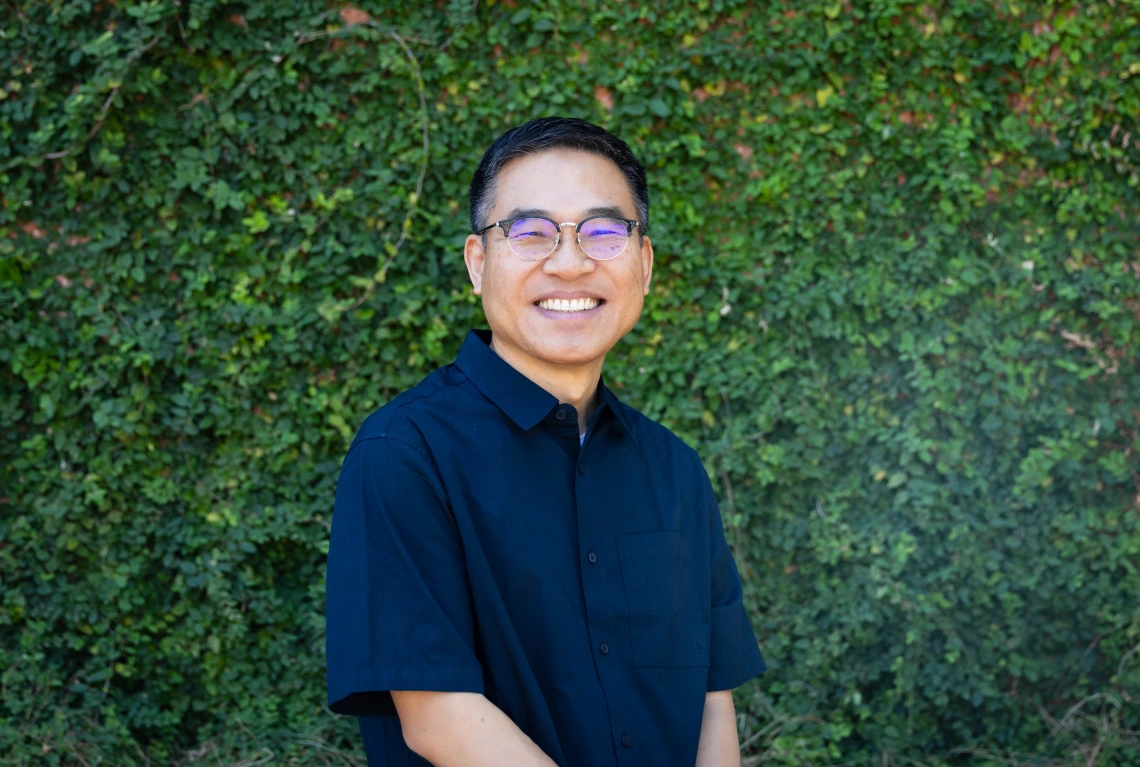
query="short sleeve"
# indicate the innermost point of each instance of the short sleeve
(734, 654)
(397, 606)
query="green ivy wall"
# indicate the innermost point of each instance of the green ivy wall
(896, 308)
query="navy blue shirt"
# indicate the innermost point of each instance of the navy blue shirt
(585, 589)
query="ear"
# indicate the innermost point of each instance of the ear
(646, 263)
(474, 256)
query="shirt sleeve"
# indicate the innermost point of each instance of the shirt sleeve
(734, 653)
(397, 605)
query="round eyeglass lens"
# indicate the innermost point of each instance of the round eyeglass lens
(533, 238)
(604, 238)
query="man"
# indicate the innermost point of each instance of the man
(523, 570)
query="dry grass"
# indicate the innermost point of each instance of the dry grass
(1091, 733)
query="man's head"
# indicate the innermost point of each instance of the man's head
(554, 133)
(565, 170)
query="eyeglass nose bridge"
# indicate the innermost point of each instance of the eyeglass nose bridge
(577, 238)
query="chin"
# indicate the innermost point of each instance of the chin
(571, 351)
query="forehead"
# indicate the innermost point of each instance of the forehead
(561, 180)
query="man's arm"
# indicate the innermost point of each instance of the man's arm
(463, 728)
(734, 654)
(719, 745)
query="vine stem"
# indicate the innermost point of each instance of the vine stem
(382, 274)
(423, 162)
(98, 124)
(106, 105)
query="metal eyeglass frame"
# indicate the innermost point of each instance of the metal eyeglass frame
(506, 224)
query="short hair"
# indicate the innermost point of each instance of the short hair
(542, 134)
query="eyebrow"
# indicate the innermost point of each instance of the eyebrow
(604, 210)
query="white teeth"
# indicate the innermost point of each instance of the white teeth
(563, 305)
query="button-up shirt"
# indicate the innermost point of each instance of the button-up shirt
(582, 584)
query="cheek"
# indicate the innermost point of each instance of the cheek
(502, 286)
(633, 281)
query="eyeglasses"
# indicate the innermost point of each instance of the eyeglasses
(533, 238)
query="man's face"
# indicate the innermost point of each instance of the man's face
(564, 185)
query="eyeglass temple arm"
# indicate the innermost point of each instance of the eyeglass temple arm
(491, 226)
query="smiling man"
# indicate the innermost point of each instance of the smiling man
(524, 570)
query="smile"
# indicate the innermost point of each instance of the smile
(574, 305)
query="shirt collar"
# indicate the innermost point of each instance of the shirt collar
(525, 402)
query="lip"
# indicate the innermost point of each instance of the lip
(567, 295)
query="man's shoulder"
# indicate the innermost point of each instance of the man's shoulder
(404, 417)
(659, 441)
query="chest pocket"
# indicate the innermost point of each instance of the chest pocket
(668, 626)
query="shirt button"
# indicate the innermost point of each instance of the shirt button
(626, 741)
(560, 415)
(605, 648)
(581, 468)
(592, 557)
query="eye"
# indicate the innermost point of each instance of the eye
(532, 228)
(605, 227)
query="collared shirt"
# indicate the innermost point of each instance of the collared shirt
(586, 590)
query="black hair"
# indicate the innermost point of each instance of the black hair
(541, 134)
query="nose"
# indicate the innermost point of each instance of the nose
(568, 259)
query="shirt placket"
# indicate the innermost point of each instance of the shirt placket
(601, 587)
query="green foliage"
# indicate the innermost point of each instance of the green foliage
(896, 306)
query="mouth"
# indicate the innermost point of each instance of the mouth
(557, 307)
